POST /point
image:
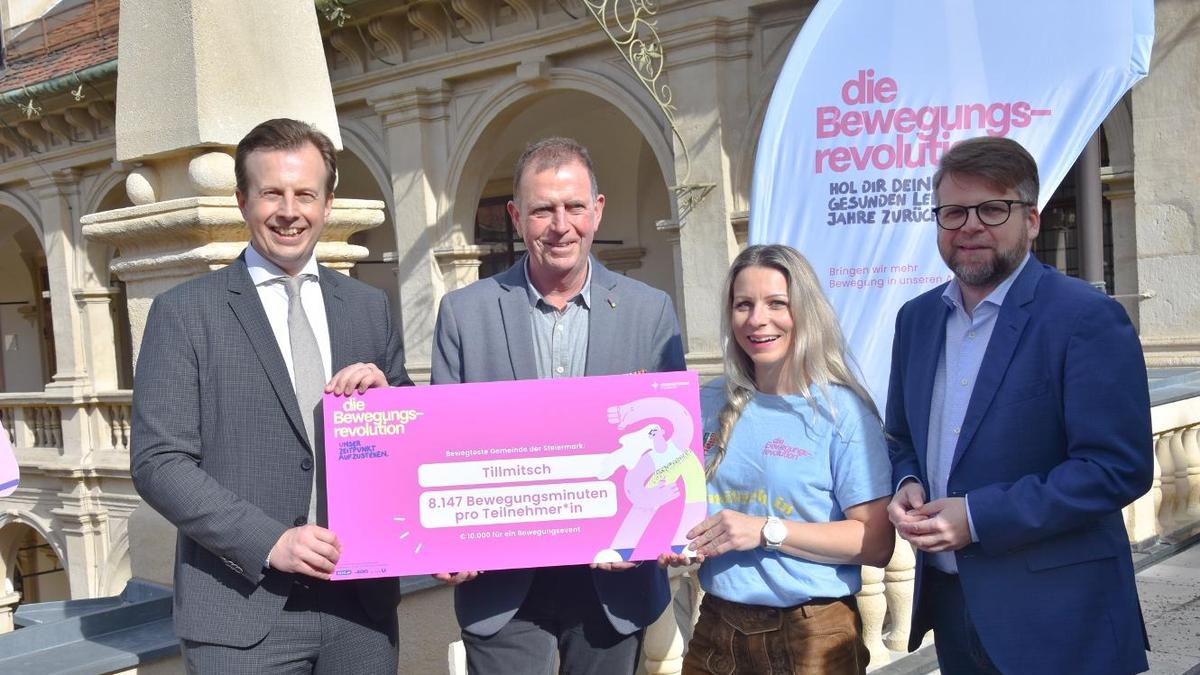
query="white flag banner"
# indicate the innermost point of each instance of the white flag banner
(874, 93)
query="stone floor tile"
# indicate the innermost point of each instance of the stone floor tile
(1162, 663)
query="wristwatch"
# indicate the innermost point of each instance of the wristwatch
(773, 533)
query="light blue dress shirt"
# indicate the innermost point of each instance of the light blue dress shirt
(967, 336)
(560, 337)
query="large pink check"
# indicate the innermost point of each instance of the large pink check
(503, 475)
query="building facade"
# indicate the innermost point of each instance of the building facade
(435, 99)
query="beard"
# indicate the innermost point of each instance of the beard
(989, 273)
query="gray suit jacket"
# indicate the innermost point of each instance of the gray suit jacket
(219, 447)
(483, 334)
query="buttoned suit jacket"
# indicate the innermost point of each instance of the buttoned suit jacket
(1055, 441)
(219, 447)
(484, 333)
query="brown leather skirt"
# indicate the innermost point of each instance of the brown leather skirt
(820, 637)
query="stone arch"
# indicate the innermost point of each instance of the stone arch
(742, 160)
(118, 568)
(363, 174)
(101, 188)
(28, 363)
(14, 527)
(1118, 134)
(742, 168)
(364, 144)
(106, 194)
(25, 207)
(43, 528)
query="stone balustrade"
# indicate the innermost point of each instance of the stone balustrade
(44, 426)
(1170, 511)
(32, 425)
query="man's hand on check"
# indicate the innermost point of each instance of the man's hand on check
(356, 377)
(308, 549)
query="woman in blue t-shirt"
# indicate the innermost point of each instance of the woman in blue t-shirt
(798, 483)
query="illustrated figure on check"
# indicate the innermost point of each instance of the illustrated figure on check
(654, 463)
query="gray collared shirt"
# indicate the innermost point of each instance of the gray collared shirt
(560, 338)
(967, 337)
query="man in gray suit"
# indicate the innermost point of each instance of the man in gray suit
(228, 384)
(556, 313)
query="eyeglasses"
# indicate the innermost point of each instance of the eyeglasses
(993, 212)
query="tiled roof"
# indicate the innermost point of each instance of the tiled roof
(60, 62)
(72, 40)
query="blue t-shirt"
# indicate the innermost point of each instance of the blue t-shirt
(788, 460)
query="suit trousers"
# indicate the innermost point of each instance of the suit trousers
(323, 629)
(561, 619)
(959, 649)
(820, 637)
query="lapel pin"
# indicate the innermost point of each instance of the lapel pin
(612, 303)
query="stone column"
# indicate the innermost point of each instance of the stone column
(706, 239)
(898, 581)
(670, 229)
(165, 242)
(1058, 254)
(1089, 209)
(195, 77)
(84, 526)
(415, 126)
(58, 197)
(622, 260)
(8, 604)
(1123, 208)
(1141, 517)
(58, 200)
(664, 643)
(1166, 173)
(100, 350)
(707, 78)
(1166, 506)
(460, 266)
(185, 220)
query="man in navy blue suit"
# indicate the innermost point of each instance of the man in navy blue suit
(1019, 424)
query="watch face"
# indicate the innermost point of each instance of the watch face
(774, 532)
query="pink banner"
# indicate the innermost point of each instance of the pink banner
(503, 475)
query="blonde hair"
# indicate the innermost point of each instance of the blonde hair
(818, 351)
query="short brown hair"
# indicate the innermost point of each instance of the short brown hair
(551, 153)
(997, 160)
(285, 134)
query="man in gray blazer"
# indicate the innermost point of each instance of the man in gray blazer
(228, 384)
(556, 313)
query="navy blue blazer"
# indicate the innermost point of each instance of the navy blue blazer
(1056, 440)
